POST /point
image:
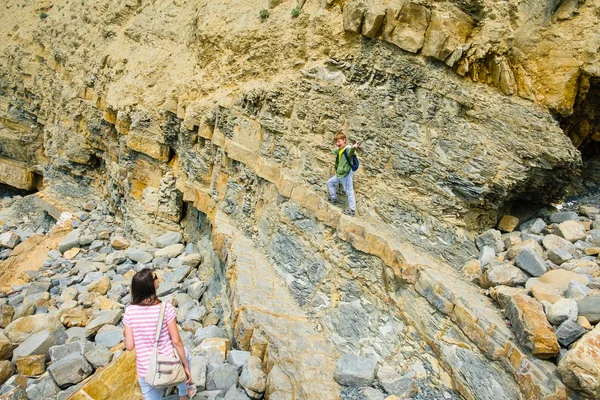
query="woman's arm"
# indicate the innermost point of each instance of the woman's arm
(178, 344)
(128, 333)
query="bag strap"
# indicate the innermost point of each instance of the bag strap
(161, 317)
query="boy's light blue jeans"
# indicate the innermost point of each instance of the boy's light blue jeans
(346, 182)
(152, 393)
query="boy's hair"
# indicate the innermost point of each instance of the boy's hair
(339, 135)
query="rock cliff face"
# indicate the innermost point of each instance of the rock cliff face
(225, 111)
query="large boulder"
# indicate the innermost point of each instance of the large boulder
(352, 370)
(70, 370)
(531, 326)
(560, 279)
(579, 368)
(40, 343)
(571, 231)
(502, 274)
(529, 261)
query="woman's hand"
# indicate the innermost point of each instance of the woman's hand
(188, 374)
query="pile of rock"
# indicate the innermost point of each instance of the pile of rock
(65, 323)
(547, 279)
(368, 381)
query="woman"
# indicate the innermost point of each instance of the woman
(140, 321)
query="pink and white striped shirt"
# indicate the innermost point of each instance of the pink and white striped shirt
(143, 320)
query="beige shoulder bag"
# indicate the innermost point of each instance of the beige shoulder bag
(164, 371)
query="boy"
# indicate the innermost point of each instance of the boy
(343, 172)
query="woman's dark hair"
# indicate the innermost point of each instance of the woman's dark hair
(143, 291)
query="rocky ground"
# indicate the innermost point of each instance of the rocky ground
(546, 277)
(64, 323)
(61, 319)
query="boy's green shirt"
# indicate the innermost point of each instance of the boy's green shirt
(342, 168)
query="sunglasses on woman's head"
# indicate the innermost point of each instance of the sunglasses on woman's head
(155, 277)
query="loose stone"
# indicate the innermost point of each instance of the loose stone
(352, 370)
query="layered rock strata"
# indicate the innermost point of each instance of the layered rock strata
(231, 117)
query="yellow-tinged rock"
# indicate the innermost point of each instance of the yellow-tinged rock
(33, 365)
(71, 253)
(101, 286)
(584, 323)
(472, 270)
(592, 251)
(531, 326)
(560, 278)
(118, 380)
(129, 274)
(107, 304)
(545, 292)
(7, 369)
(580, 368)
(508, 223)
(223, 345)
(74, 317)
(6, 348)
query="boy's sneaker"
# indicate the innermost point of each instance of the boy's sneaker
(349, 212)
(332, 201)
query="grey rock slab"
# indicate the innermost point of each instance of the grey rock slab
(238, 358)
(168, 239)
(178, 274)
(39, 343)
(37, 287)
(529, 261)
(70, 370)
(568, 332)
(551, 242)
(43, 388)
(166, 288)
(196, 290)
(222, 377)
(353, 370)
(235, 393)
(84, 267)
(396, 384)
(208, 395)
(210, 331)
(593, 237)
(491, 238)
(198, 370)
(370, 393)
(193, 260)
(577, 291)
(191, 248)
(589, 307)
(562, 310)
(76, 332)
(534, 226)
(69, 242)
(96, 245)
(98, 356)
(536, 238)
(503, 274)
(91, 277)
(139, 256)
(108, 317)
(109, 336)
(86, 240)
(486, 254)
(588, 211)
(9, 240)
(559, 217)
(116, 257)
(61, 351)
(559, 255)
(54, 254)
(253, 378)
(171, 251)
